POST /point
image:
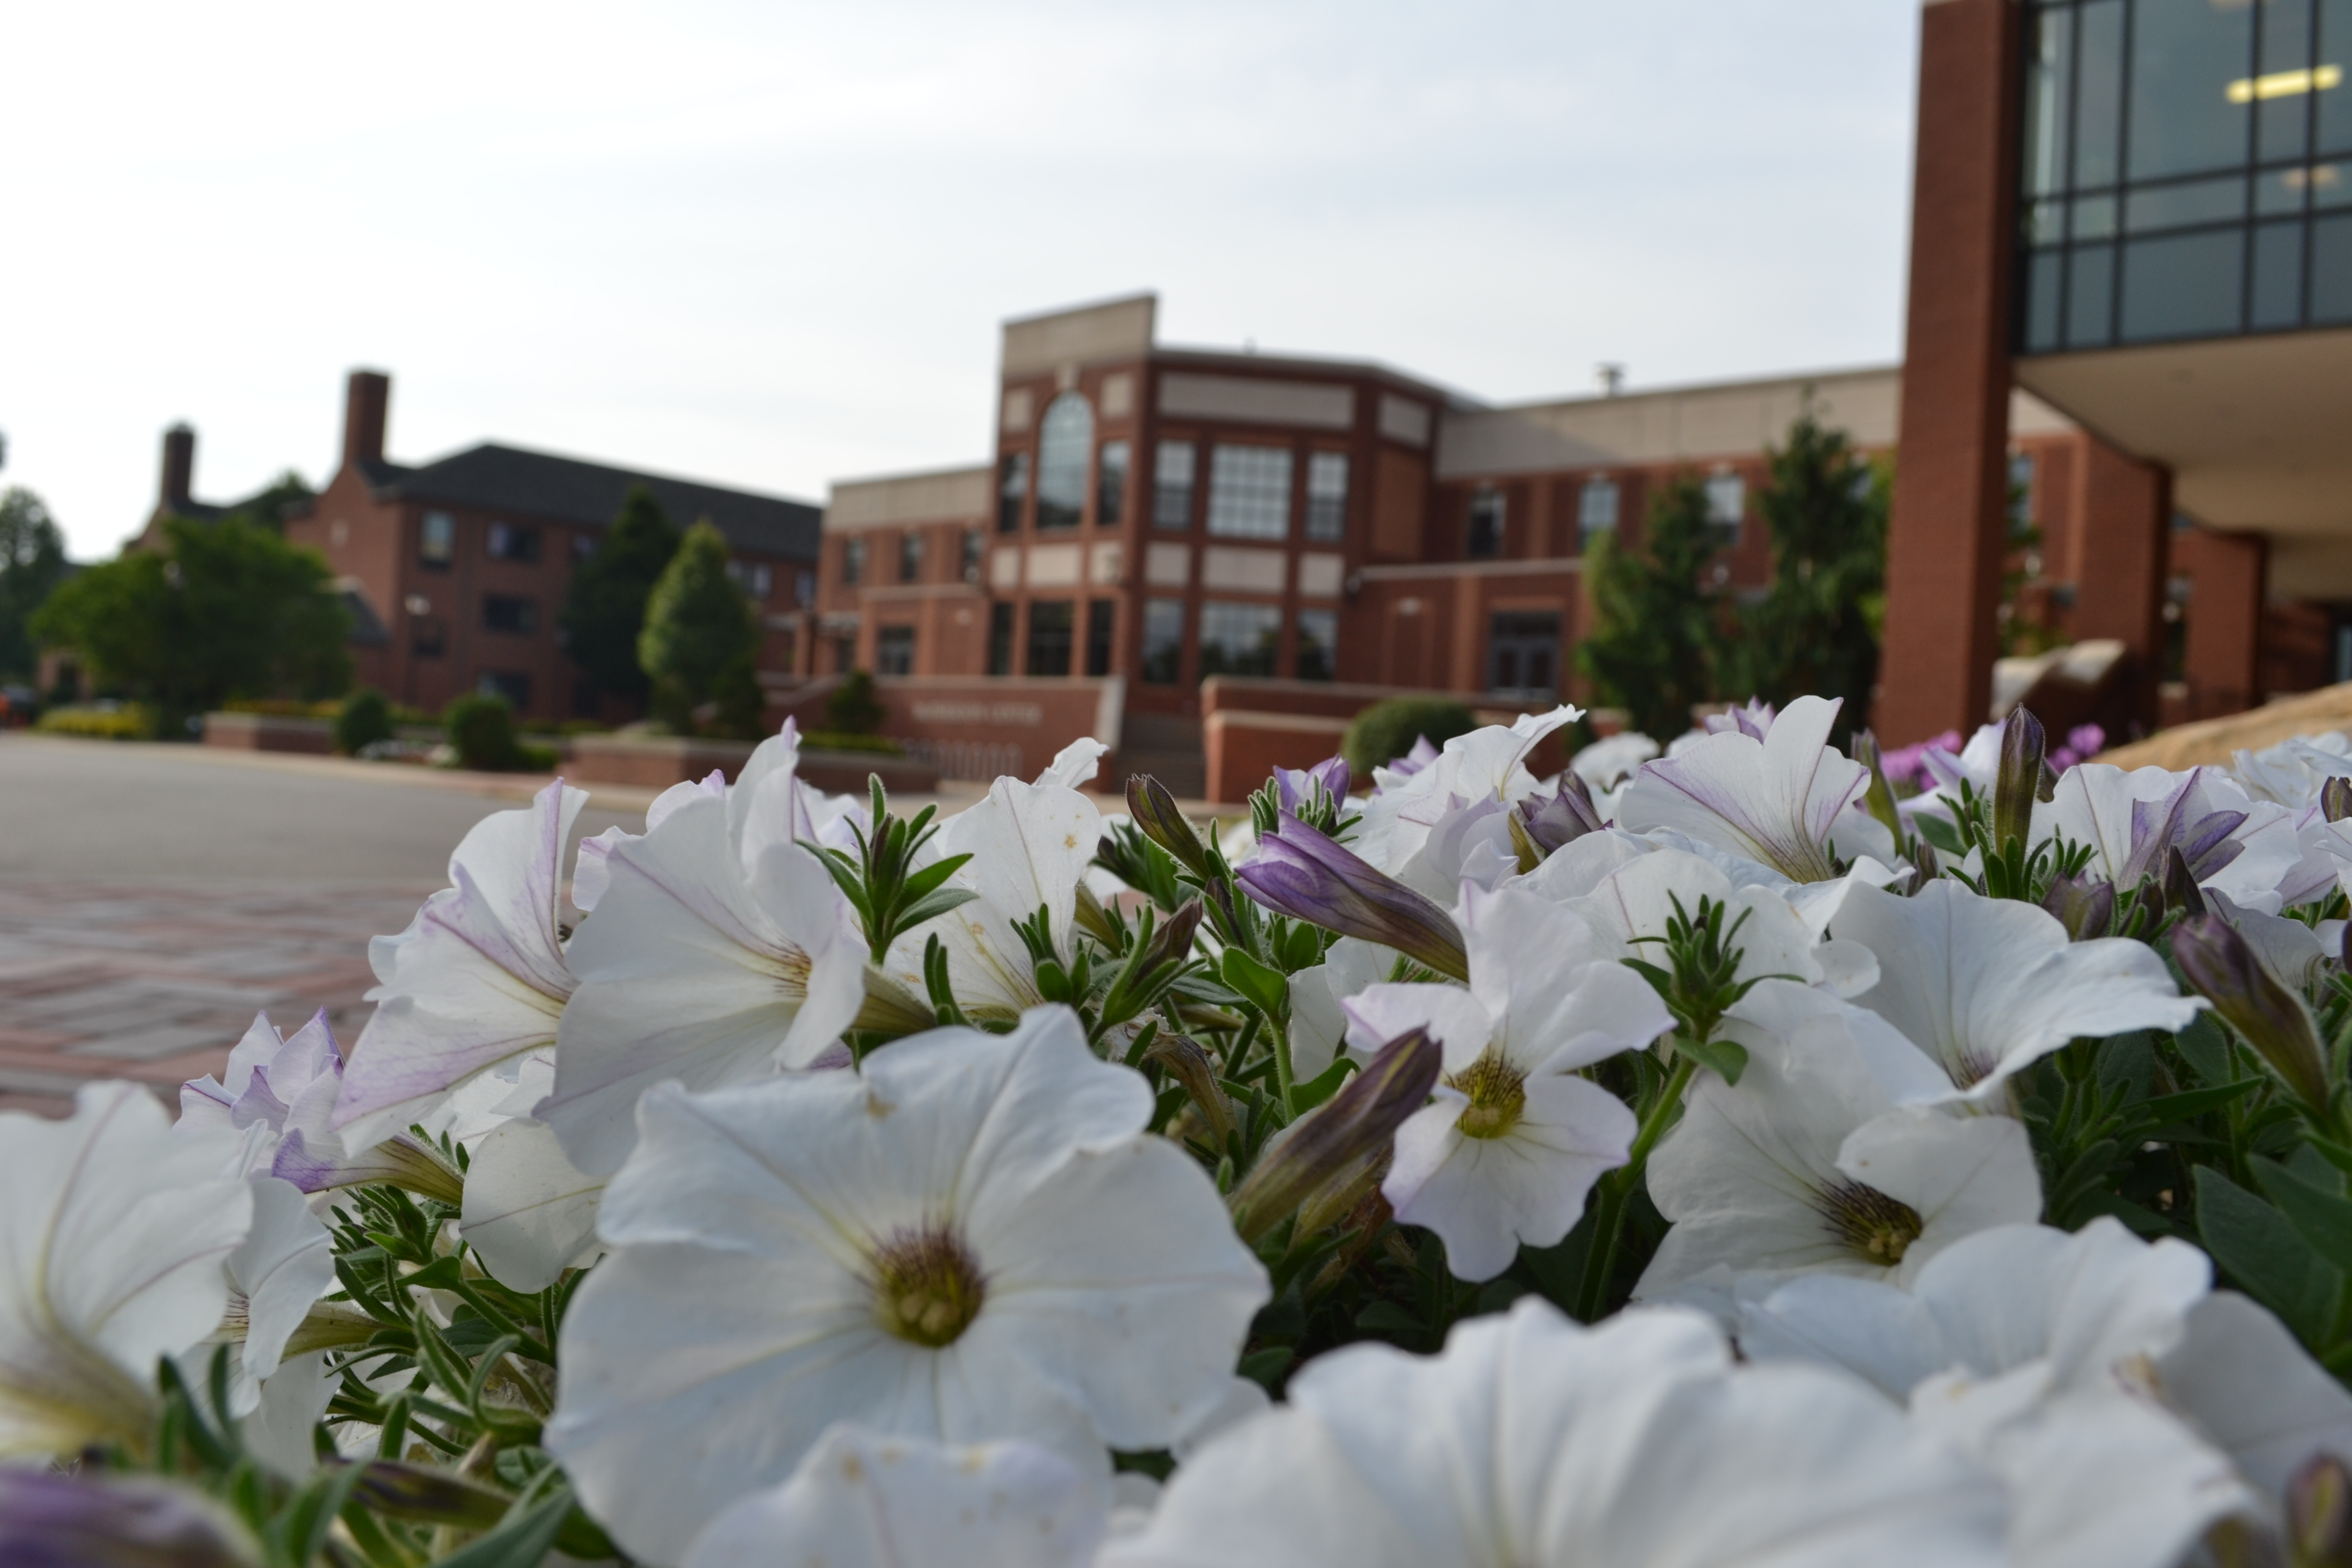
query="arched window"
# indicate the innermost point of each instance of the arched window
(1066, 442)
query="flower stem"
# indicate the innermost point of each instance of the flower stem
(1617, 1190)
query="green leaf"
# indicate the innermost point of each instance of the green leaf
(1939, 833)
(2334, 1153)
(2169, 1107)
(1266, 1367)
(1387, 1317)
(2320, 1217)
(2205, 1051)
(1305, 1097)
(2263, 1253)
(1728, 1059)
(521, 1540)
(1255, 984)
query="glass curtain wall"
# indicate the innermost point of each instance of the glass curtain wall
(2188, 170)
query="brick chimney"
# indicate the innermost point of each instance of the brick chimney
(179, 466)
(366, 401)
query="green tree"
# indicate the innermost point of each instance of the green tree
(266, 507)
(604, 611)
(32, 563)
(1816, 630)
(1657, 638)
(226, 609)
(698, 623)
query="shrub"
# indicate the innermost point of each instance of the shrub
(697, 625)
(1388, 729)
(131, 722)
(481, 731)
(364, 719)
(852, 708)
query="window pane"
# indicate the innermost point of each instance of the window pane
(2278, 276)
(1110, 486)
(509, 613)
(1238, 639)
(2099, 87)
(512, 685)
(853, 560)
(1101, 615)
(1011, 490)
(2334, 105)
(2184, 286)
(2282, 119)
(2095, 218)
(2331, 271)
(971, 556)
(1327, 496)
(1171, 485)
(2177, 206)
(1484, 539)
(911, 556)
(2048, 70)
(1726, 501)
(1163, 641)
(1319, 644)
(1522, 652)
(894, 650)
(1000, 639)
(437, 538)
(1249, 491)
(512, 542)
(2186, 54)
(1596, 508)
(1066, 442)
(2281, 191)
(1051, 624)
(2090, 296)
(2041, 301)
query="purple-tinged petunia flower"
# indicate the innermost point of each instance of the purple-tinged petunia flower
(2228, 973)
(1300, 789)
(1402, 768)
(53, 1520)
(2133, 821)
(1307, 876)
(1563, 817)
(1752, 719)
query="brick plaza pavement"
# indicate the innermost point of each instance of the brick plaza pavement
(157, 982)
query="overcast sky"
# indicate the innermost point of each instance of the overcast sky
(769, 244)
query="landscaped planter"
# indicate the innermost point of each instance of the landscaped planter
(656, 761)
(270, 732)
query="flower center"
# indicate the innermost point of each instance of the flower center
(1497, 1093)
(927, 1287)
(1877, 1229)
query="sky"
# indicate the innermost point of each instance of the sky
(769, 245)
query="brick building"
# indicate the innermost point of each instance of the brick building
(1208, 556)
(2140, 211)
(462, 563)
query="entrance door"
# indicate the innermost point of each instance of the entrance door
(1523, 655)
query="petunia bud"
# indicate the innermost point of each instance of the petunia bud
(1173, 943)
(428, 1494)
(110, 1521)
(1154, 811)
(1552, 822)
(1306, 875)
(1331, 1144)
(2181, 889)
(1300, 790)
(2319, 1513)
(400, 1161)
(2335, 798)
(1184, 1061)
(2018, 783)
(1879, 799)
(2226, 972)
(2084, 905)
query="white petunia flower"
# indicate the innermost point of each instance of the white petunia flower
(479, 979)
(1629, 909)
(719, 950)
(529, 1211)
(969, 1238)
(111, 1244)
(1489, 764)
(1811, 1163)
(1988, 986)
(286, 1262)
(1513, 1140)
(2240, 1379)
(1318, 1025)
(1788, 802)
(2036, 1351)
(1030, 845)
(1607, 762)
(1534, 1443)
(862, 1499)
(2131, 822)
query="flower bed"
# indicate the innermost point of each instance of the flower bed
(1696, 1158)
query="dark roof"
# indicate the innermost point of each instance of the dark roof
(491, 477)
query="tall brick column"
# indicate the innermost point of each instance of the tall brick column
(2122, 527)
(1951, 472)
(2225, 573)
